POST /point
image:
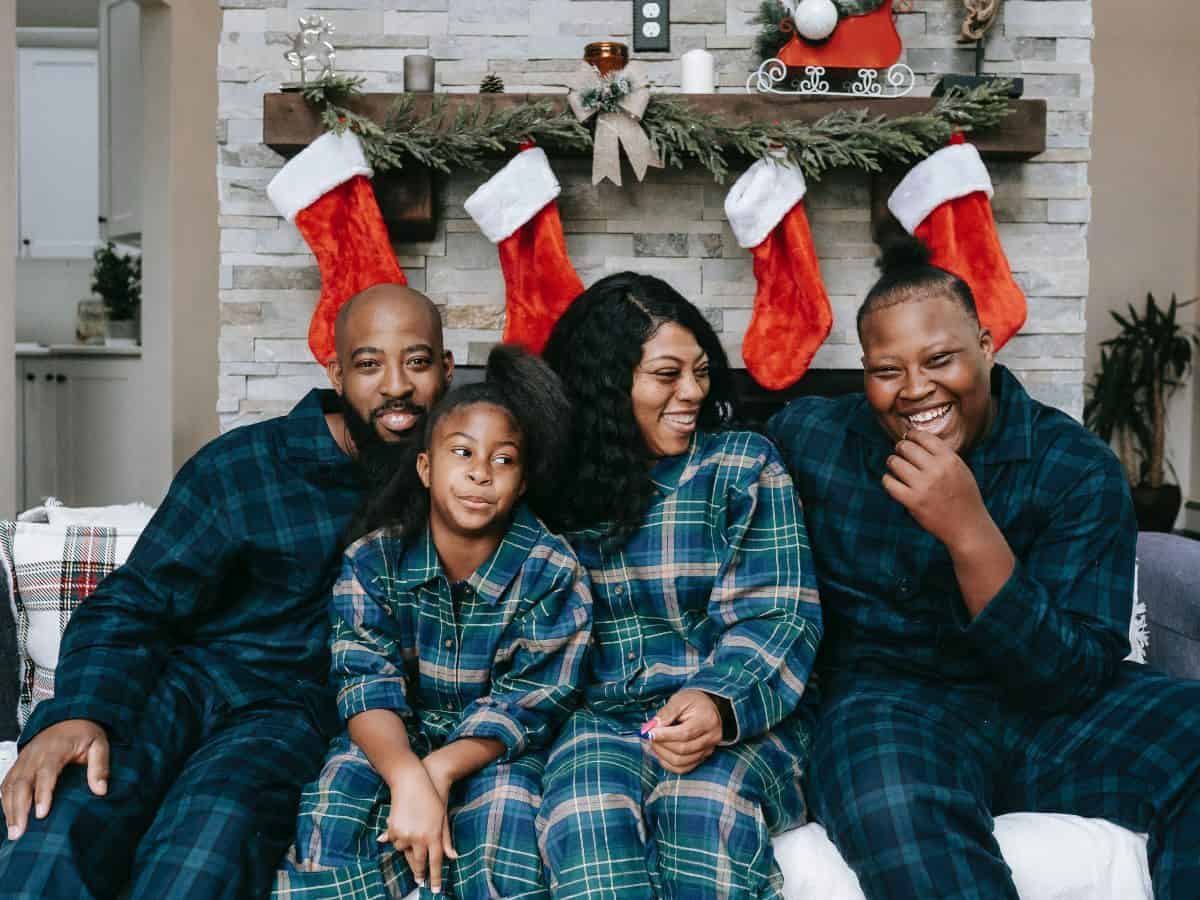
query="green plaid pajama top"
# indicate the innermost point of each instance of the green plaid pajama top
(716, 591)
(495, 656)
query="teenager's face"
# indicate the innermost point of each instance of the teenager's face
(927, 366)
(391, 367)
(474, 469)
(669, 387)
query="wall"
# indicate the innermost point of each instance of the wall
(1146, 183)
(673, 224)
(179, 227)
(47, 292)
(8, 243)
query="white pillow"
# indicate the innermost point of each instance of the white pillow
(124, 516)
(50, 570)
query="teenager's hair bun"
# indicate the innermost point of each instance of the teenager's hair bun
(902, 253)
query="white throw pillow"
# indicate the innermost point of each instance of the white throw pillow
(50, 570)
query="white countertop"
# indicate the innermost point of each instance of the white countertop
(27, 350)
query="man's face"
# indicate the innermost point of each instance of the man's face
(927, 366)
(391, 367)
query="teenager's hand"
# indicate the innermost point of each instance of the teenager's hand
(932, 482)
(33, 776)
(418, 826)
(687, 732)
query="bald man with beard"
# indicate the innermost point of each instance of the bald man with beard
(191, 703)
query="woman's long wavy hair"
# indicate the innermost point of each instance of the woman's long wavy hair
(532, 394)
(595, 348)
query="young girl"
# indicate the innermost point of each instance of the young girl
(459, 632)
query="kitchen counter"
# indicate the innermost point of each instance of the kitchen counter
(34, 351)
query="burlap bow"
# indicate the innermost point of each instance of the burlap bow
(619, 121)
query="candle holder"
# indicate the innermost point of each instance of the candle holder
(606, 56)
(418, 73)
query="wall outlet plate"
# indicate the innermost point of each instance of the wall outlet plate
(651, 25)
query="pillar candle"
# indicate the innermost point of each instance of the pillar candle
(699, 72)
(418, 73)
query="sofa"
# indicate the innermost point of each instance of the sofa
(51, 561)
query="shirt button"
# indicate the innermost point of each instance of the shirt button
(449, 643)
(620, 590)
(632, 656)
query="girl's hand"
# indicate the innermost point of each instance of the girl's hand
(418, 826)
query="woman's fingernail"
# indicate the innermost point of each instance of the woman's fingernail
(649, 727)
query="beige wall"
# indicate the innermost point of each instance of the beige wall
(180, 240)
(8, 258)
(1145, 176)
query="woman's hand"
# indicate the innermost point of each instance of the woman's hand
(686, 731)
(418, 825)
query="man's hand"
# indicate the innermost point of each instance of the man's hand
(687, 732)
(938, 489)
(933, 483)
(418, 825)
(33, 776)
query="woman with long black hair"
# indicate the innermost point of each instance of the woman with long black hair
(689, 751)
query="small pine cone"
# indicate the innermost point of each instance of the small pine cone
(491, 84)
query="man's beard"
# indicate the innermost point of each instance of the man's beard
(378, 459)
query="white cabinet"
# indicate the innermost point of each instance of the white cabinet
(121, 107)
(58, 191)
(81, 435)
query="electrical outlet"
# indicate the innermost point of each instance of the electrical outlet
(651, 25)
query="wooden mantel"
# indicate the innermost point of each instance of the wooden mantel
(290, 124)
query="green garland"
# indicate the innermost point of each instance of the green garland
(681, 134)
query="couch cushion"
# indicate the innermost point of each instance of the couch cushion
(49, 570)
(1053, 857)
(1168, 572)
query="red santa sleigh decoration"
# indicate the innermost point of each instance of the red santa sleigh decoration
(858, 35)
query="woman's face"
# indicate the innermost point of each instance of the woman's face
(669, 387)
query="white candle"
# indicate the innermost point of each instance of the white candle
(699, 72)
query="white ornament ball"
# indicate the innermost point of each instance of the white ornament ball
(816, 19)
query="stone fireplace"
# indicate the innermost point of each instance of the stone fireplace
(671, 225)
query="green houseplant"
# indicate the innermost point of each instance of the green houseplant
(117, 280)
(1140, 368)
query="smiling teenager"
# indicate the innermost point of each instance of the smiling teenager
(705, 618)
(974, 552)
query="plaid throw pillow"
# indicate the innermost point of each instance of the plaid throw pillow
(50, 570)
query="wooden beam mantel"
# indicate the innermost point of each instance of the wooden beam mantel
(406, 199)
(290, 124)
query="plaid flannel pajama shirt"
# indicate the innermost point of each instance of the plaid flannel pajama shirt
(204, 658)
(498, 656)
(716, 592)
(933, 722)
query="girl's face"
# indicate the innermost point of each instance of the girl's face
(474, 469)
(669, 387)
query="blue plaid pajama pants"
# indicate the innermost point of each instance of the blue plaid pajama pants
(615, 824)
(337, 857)
(906, 775)
(201, 803)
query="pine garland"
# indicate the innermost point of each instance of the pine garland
(681, 134)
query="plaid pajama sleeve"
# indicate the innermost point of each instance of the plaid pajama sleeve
(1056, 632)
(540, 657)
(116, 643)
(365, 642)
(765, 597)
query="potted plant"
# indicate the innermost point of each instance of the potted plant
(117, 279)
(1140, 368)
